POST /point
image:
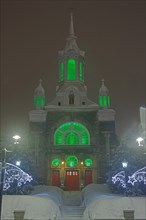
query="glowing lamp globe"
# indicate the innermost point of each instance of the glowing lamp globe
(124, 164)
(139, 140)
(16, 138)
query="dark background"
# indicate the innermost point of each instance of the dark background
(112, 33)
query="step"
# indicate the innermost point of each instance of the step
(73, 212)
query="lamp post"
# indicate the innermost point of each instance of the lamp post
(3, 163)
(125, 165)
(4, 151)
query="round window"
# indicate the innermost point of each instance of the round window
(72, 161)
(88, 162)
(56, 162)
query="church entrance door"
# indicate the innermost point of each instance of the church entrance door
(55, 178)
(88, 177)
(72, 180)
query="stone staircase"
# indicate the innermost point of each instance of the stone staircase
(73, 212)
(72, 208)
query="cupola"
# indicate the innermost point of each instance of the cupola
(39, 96)
(104, 98)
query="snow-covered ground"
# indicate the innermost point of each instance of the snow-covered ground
(35, 208)
(102, 204)
(47, 202)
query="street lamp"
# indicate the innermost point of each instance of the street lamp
(18, 163)
(139, 140)
(4, 151)
(125, 165)
(3, 166)
(16, 138)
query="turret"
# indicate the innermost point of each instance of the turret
(104, 98)
(39, 97)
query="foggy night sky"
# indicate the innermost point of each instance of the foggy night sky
(112, 34)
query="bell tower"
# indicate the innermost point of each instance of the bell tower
(71, 59)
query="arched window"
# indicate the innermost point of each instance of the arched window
(72, 133)
(71, 98)
(61, 71)
(39, 101)
(81, 71)
(71, 69)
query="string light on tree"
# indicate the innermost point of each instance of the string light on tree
(14, 173)
(119, 177)
(138, 176)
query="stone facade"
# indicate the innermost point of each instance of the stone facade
(71, 137)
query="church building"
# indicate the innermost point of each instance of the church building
(71, 137)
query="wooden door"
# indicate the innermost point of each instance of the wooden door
(72, 180)
(88, 177)
(55, 178)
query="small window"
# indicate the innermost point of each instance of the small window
(59, 103)
(83, 103)
(71, 98)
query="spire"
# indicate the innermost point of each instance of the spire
(71, 33)
(71, 40)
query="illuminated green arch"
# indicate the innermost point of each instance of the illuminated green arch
(71, 69)
(72, 133)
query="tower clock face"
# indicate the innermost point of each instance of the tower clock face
(72, 161)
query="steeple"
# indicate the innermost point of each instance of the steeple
(71, 59)
(71, 33)
(104, 98)
(39, 96)
(71, 43)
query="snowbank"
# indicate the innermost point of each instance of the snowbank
(35, 208)
(50, 192)
(101, 204)
(112, 208)
(95, 191)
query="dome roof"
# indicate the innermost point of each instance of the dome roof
(39, 91)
